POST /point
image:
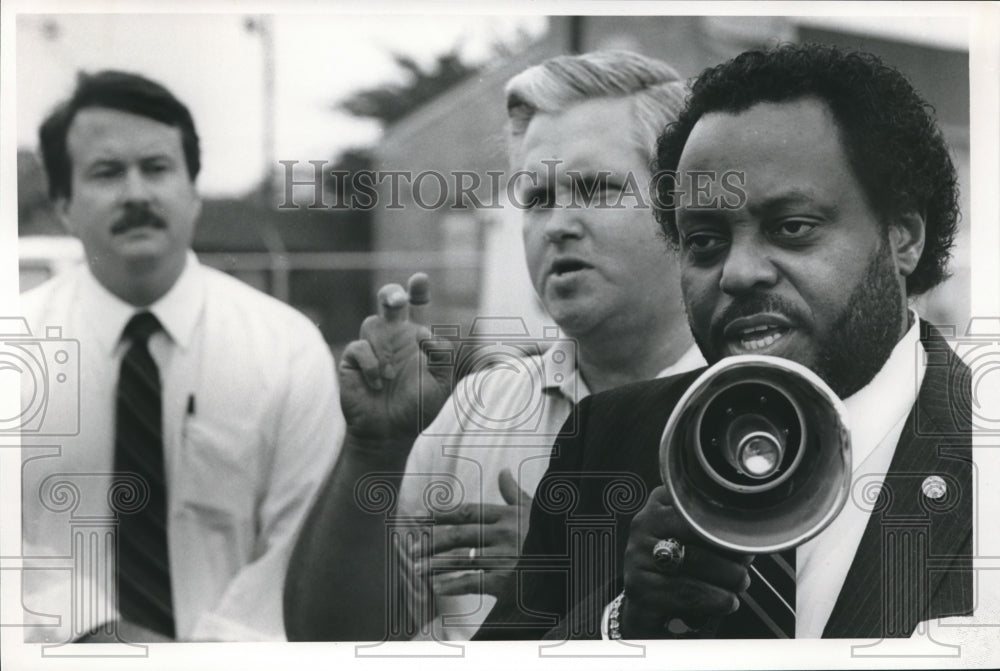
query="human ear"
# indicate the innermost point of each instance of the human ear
(61, 207)
(906, 240)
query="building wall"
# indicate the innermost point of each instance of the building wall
(460, 131)
(463, 130)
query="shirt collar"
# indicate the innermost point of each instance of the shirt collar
(875, 409)
(573, 386)
(568, 384)
(690, 360)
(178, 310)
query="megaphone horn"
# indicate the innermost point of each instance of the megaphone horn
(756, 455)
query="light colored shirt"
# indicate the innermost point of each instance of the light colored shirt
(251, 425)
(877, 413)
(505, 417)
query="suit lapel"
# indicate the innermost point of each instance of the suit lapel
(914, 559)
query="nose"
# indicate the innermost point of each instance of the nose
(136, 187)
(747, 267)
(563, 223)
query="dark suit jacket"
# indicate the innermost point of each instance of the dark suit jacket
(914, 561)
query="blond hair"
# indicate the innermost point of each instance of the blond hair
(655, 89)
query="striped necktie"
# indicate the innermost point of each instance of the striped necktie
(767, 607)
(144, 595)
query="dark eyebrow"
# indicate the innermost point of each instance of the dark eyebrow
(588, 175)
(156, 157)
(787, 201)
(791, 200)
(702, 215)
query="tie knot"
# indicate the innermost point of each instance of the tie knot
(141, 326)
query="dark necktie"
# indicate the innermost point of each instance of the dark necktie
(767, 608)
(771, 595)
(143, 562)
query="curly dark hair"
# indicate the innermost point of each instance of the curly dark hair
(116, 90)
(890, 135)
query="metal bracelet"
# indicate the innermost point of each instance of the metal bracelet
(614, 621)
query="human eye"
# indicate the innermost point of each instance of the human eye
(105, 171)
(703, 244)
(601, 181)
(607, 185)
(793, 229)
(538, 197)
(157, 167)
(584, 187)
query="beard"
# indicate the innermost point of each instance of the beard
(853, 349)
(864, 335)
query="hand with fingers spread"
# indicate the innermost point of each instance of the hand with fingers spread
(683, 579)
(386, 387)
(482, 541)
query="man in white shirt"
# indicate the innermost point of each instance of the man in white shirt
(849, 207)
(239, 422)
(578, 124)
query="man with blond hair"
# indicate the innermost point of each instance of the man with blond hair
(582, 134)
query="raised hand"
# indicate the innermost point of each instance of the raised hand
(387, 390)
(705, 585)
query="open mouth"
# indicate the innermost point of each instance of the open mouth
(566, 266)
(756, 333)
(757, 338)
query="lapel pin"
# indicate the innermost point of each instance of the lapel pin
(934, 487)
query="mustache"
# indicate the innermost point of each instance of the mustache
(137, 218)
(750, 305)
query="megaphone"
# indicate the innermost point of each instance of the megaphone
(756, 455)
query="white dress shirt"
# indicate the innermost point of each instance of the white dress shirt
(877, 414)
(251, 425)
(525, 406)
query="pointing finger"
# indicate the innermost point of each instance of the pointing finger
(392, 303)
(418, 287)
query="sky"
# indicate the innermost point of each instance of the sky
(214, 63)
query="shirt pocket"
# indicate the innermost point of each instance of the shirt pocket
(219, 471)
